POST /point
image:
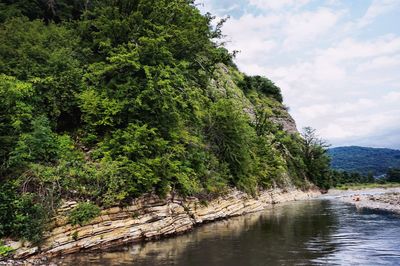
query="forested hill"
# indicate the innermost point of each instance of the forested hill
(102, 101)
(364, 160)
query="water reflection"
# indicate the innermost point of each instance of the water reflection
(301, 233)
(364, 237)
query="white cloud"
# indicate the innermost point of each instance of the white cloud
(377, 8)
(278, 4)
(259, 36)
(306, 26)
(250, 35)
(350, 49)
(393, 97)
(334, 130)
(368, 117)
(380, 63)
(333, 76)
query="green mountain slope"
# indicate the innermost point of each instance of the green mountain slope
(364, 160)
(102, 101)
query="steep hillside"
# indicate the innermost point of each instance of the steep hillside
(104, 101)
(364, 160)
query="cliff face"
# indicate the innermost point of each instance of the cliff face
(148, 217)
(226, 85)
(286, 121)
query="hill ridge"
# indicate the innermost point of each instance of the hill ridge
(364, 159)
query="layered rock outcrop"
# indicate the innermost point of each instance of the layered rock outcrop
(149, 217)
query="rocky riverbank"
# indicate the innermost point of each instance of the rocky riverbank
(379, 199)
(147, 218)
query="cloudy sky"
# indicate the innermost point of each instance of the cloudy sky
(336, 61)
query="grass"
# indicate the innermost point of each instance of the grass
(368, 185)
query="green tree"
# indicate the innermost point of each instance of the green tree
(393, 175)
(229, 130)
(316, 159)
(40, 145)
(16, 111)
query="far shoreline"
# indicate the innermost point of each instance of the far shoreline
(376, 198)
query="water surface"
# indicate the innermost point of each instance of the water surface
(316, 232)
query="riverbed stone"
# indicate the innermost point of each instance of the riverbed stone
(378, 199)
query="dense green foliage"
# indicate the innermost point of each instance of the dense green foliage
(20, 215)
(107, 100)
(83, 213)
(262, 85)
(393, 175)
(364, 160)
(342, 178)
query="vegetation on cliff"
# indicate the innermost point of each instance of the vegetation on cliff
(103, 101)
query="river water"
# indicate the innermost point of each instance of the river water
(316, 232)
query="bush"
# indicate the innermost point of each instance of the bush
(30, 219)
(393, 175)
(38, 145)
(83, 213)
(21, 216)
(5, 250)
(229, 130)
(270, 163)
(263, 85)
(15, 113)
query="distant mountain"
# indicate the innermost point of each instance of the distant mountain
(364, 160)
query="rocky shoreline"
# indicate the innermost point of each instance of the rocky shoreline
(147, 218)
(378, 199)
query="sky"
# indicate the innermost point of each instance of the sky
(336, 61)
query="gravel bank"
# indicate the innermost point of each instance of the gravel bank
(379, 199)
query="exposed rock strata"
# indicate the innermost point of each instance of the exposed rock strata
(149, 217)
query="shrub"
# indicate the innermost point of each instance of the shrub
(229, 130)
(270, 163)
(38, 145)
(5, 250)
(20, 216)
(83, 213)
(75, 235)
(30, 218)
(15, 113)
(393, 175)
(263, 85)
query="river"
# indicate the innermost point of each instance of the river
(316, 232)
